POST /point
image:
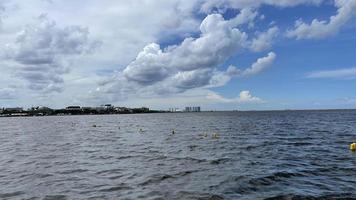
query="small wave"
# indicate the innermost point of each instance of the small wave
(161, 177)
(320, 131)
(73, 171)
(109, 171)
(299, 143)
(44, 175)
(115, 177)
(11, 194)
(116, 188)
(327, 170)
(244, 184)
(268, 180)
(325, 197)
(55, 197)
(184, 173)
(196, 160)
(156, 179)
(197, 196)
(219, 161)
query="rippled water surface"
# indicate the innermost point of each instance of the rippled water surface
(257, 155)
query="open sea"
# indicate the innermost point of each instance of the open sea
(254, 155)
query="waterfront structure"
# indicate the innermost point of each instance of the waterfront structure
(73, 108)
(16, 110)
(174, 110)
(192, 109)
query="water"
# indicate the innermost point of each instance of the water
(258, 155)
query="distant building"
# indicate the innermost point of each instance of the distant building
(174, 110)
(87, 109)
(108, 107)
(192, 109)
(14, 110)
(73, 108)
(196, 109)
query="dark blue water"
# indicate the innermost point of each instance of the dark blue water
(257, 155)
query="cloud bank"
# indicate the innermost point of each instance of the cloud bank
(321, 29)
(191, 64)
(42, 51)
(346, 73)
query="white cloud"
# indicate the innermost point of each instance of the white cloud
(7, 94)
(217, 42)
(41, 50)
(220, 78)
(260, 65)
(188, 65)
(124, 27)
(264, 39)
(192, 64)
(321, 29)
(244, 97)
(208, 6)
(346, 73)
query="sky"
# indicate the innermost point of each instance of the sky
(217, 54)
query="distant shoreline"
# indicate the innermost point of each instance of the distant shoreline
(167, 112)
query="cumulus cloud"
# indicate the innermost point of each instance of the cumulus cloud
(41, 51)
(264, 40)
(320, 28)
(260, 65)
(346, 73)
(192, 64)
(208, 6)
(244, 97)
(220, 78)
(218, 41)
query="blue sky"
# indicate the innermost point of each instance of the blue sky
(287, 80)
(220, 55)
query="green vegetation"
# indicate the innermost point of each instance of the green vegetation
(72, 110)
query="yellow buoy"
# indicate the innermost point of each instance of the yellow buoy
(353, 146)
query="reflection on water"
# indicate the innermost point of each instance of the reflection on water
(257, 155)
